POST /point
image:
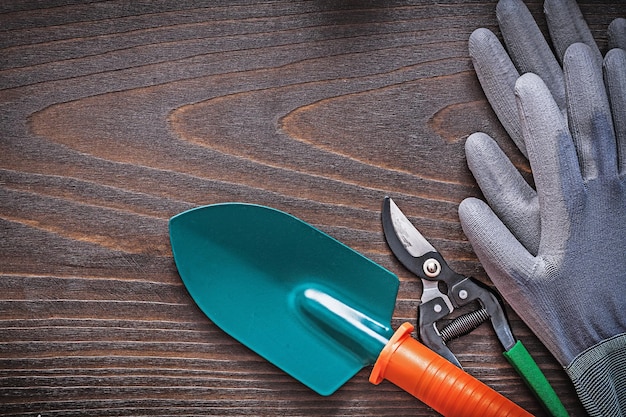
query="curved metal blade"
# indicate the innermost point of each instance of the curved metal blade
(403, 238)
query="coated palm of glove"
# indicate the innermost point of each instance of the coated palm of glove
(558, 255)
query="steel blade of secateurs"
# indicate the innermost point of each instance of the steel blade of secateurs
(405, 241)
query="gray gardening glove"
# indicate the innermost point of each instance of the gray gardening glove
(498, 73)
(558, 255)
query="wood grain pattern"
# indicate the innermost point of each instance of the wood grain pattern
(117, 115)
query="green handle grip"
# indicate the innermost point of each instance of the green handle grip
(527, 368)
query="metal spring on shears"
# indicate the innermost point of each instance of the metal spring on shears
(464, 324)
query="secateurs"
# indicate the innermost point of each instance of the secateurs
(422, 259)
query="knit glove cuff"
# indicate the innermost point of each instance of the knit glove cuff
(599, 376)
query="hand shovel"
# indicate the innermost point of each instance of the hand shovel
(312, 306)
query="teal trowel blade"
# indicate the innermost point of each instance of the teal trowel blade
(312, 306)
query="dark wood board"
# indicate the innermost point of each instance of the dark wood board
(116, 115)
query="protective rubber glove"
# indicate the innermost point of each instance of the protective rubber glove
(497, 72)
(568, 280)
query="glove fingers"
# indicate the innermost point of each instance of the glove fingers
(498, 250)
(617, 33)
(552, 156)
(567, 26)
(497, 76)
(528, 48)
(508, 194)
(615, 80)
(589, 113)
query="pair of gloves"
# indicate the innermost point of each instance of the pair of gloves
(557, 252)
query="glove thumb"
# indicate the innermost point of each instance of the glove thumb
(506, 260)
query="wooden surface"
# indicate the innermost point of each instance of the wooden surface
(117, 115)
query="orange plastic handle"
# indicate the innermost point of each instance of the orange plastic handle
(432, 379)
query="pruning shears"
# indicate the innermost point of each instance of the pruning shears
(439, 301)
